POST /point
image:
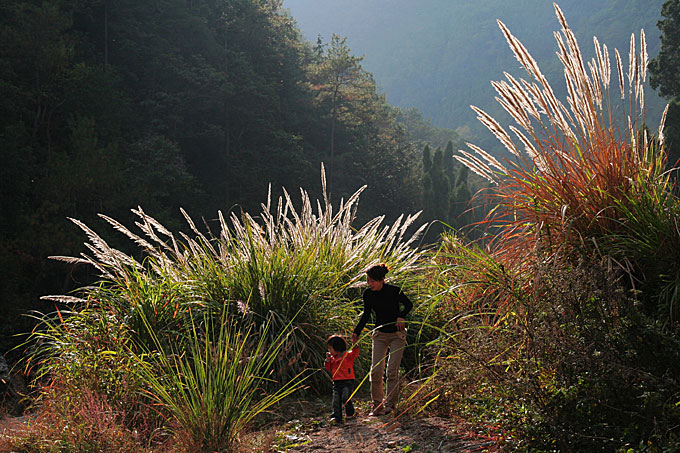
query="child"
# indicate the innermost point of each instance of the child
(340, 363)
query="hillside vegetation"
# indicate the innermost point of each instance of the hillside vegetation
(439, 56)
(106, 106)
(556, 331)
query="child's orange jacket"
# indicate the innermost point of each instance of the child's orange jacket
(342, 366)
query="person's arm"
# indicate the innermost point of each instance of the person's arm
(354, 353)
(363, 320)
(406, 302)
(408, 305)
(327, 362)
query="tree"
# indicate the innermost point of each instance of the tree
(107, 105)
(665, 67)
(664, 72)
(446, 195)
(460, 198)
(428, 189)
(335, 79)
(436, 190)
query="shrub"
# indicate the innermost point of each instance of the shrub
(287, 265)
(575, 364)
(80, 420)
(214, 389)
(207, 332)
(553, 316)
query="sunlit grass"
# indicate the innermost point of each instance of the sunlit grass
(583, 181)
(578, 275)
(212, 329)
(215, 388)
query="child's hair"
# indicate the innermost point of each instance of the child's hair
(377, 272)
(337, 342)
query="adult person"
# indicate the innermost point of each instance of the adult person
(390, 306)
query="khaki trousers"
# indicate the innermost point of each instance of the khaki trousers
(382, 341)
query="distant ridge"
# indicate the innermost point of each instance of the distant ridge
(439, 55)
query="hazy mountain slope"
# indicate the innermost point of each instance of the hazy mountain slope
(439, 55)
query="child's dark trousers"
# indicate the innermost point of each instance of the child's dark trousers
(341, 393)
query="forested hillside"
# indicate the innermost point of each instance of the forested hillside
(554, 327)
(439, 55)
(106, 106)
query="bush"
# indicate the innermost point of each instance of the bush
(207, 332)
(538, 314)
(568, 360)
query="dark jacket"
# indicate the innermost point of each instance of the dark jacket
(387, 305)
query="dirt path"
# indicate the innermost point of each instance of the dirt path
(308, 430)
(363, 434)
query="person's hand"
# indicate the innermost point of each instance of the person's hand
(355, 338)
(401, 324)
(328, 355)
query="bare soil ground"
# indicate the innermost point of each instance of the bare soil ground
(310, 431)
(304, 427)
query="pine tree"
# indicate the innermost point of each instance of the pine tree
(335, 79)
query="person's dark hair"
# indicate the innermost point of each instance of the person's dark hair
(337, 342)
(377, 272)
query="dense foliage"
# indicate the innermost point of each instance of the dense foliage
(105, 106)
(205, 332)
(663, 74)
(439, 56)
(565, 326)
(557, 331)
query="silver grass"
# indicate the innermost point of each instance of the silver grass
(586, 87)
(599, 59)
(120, 227)
(529, 64)
(619, 67)
(513, 103)
(64, 299)
(607, 68)
(572, 99)
(597, 84)
(633, 136)
(487, 157)
(631, 63)
(147, 225)
(476, 165)
(574, 60)
(69, 259)
(495, 128)
(524, 97)
(638, 85)
(479, 162)
(474, 168)
(529, 147)
(323, 185)
(537, 96)
(643, 55)
(662, 124)
(204, 240)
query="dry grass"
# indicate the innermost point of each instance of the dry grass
(571, 163)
